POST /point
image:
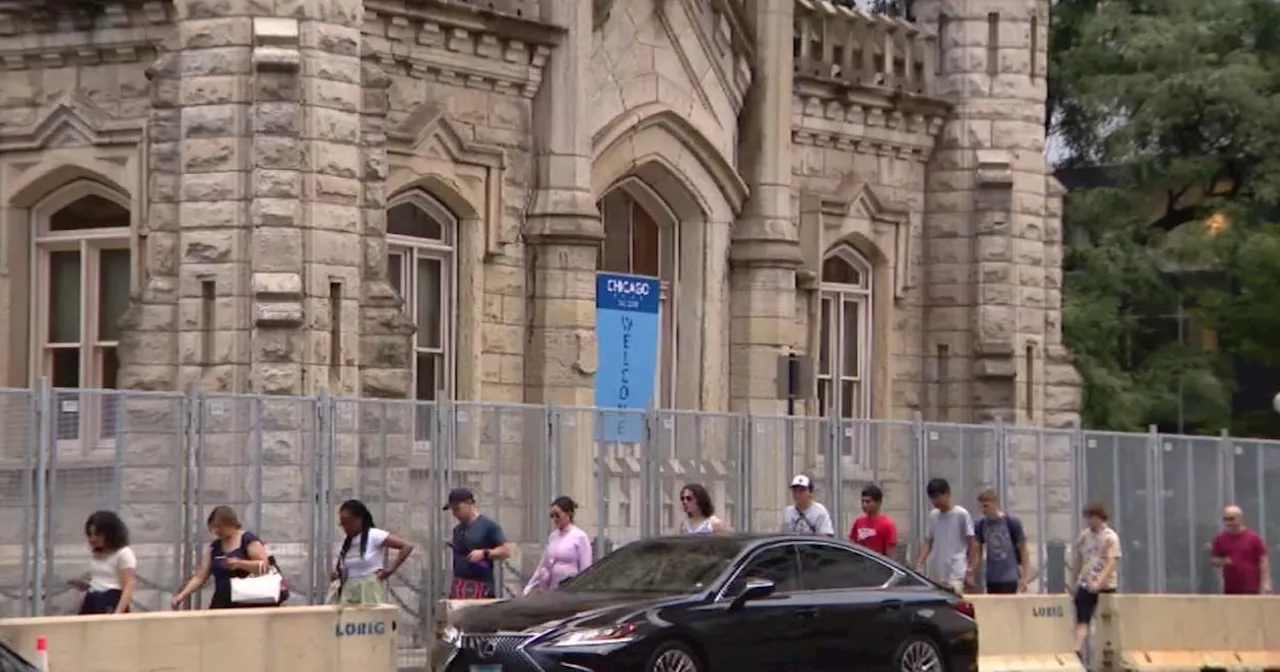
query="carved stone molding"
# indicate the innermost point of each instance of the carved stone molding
(71, 122)
(435, 41)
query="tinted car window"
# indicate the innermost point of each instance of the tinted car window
(830, 567)
(673, 565)
(10, 661)
(777, 564)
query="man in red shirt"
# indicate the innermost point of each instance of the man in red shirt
(1242, 555)
(873, 529)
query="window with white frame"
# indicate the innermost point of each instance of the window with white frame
(635, 243)
(81, 275)
(421, 265)
(845, 337)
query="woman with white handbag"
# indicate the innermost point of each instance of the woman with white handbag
(243, 576)
(360, 576)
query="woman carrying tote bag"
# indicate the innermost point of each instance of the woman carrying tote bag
(235, 555)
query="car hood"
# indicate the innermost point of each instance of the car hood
(549, 610)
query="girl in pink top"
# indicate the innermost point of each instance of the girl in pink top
(568, 549)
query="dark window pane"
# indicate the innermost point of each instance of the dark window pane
(64, 297)
(110, 368)
(615, 208)
(395, 270)
(644, 242)
(850, 338)
(837, 270)
(824, 345)
(113, 292)
(66, 367)
(408, 219)
(777, 564)
(430, 301)
(427, 384)
(90, 212)
(831, 568)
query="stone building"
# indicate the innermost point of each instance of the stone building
(411, 198)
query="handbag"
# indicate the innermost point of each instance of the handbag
(267, 589)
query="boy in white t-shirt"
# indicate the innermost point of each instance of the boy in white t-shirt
(110, 582)
(361, 573)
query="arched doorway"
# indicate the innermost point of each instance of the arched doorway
(81, 273)
(641, 237)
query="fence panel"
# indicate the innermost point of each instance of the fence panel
(1194, 478)
(1120, 472)
(1039, 487)
(262, 456)
(19, 425)
(106, 451)
(965, 455)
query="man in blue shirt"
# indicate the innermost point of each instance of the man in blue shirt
(1002, 537)
(478, 543)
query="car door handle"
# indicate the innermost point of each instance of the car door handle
(891, 605)
(807, 612)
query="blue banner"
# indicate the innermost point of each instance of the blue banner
(627, 348)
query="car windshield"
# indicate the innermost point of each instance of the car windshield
(674, 565)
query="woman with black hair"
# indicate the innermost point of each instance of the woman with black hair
(360, 574)
(110, 582)
(568, 550)
(699, 512)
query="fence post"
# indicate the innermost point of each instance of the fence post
(1155, 513)
(44, 404)
(191, 454)
(919, 476)
(746, 456)
(1001, 459)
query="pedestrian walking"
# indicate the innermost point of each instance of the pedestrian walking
(1094, 568)
(234, 553)
(477, 543)
(873, 529)
(1242, 556)
(108, 586)
(949, 554)
(699, 512)
(1001, 537)
(361, 573)
(568, 551)
(803, 515)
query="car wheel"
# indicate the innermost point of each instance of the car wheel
(673, 657)
(918, 654)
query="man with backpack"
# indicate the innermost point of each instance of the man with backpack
(806, 516)
(1002, 537)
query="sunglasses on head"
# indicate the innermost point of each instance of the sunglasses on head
(686, 498)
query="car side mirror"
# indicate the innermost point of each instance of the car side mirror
(756, 589)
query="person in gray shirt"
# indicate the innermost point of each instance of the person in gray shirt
(949, 548)
(806, 516)
(1005, 542)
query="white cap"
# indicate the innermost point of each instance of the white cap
(801, 481)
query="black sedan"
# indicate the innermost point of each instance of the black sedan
(726, 604)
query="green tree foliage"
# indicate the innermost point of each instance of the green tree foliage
(1173, 103)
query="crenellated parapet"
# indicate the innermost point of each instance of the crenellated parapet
(863, 50)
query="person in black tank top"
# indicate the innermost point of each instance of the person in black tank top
(233, 553)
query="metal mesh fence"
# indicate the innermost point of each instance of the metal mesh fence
(164, 460)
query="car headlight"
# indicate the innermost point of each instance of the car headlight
(451, 636)
(615, 634)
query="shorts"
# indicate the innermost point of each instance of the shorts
(1086, 603)
(1002, 588)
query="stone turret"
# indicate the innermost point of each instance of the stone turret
(993, 246)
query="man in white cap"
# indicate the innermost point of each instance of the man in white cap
(806, 516)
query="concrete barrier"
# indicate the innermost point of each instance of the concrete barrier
(289, 639)
(1168, 633)
(1025, 633)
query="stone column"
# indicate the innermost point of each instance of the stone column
(765, 252)
(564, 231)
